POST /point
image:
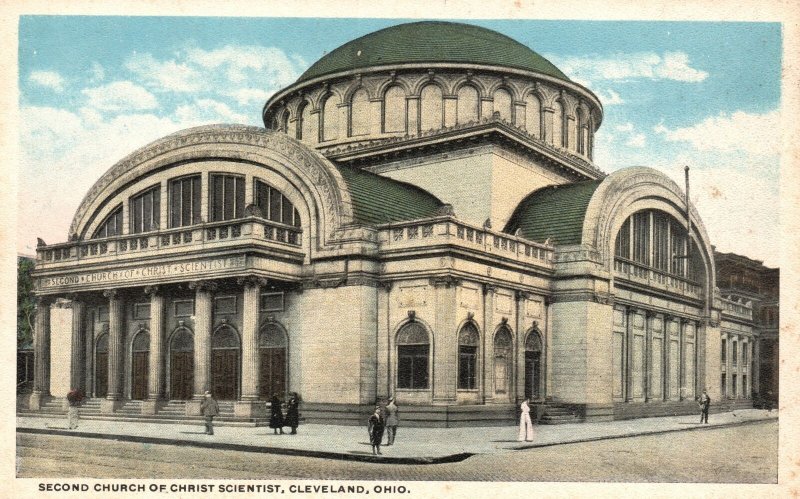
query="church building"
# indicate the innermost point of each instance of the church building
(420, 217)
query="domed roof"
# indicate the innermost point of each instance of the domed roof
(432, 42)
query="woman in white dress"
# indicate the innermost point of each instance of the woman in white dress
(525, 425)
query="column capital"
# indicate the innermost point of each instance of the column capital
(387, 285)
(445, 281)
(152, 290)
(111, 294)
(45, 300)
(649, 313)
(252, 281)
(489, 288)
(73, 296)
(521, 295)
(207, 286)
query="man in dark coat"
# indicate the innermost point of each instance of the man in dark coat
(275, 415)
(209, 408)
(375, 429)
(392, 420)
(705, 404)
(74, 399)
(292, 414)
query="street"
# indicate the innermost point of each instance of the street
(739, 454)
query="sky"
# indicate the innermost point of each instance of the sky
(707, 95)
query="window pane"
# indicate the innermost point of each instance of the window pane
(403, 370)
(155, 223)
(195, 201)
(175, 204)
(533, 115)
(502, 104)
(262, 198)
(186, 202)
(238, 211)
(287, 211)
(275, 201)
(147, 211)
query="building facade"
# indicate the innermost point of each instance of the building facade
(428, 225)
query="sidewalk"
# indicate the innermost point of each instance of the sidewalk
(413, 445)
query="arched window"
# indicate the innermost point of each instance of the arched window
(533, 365)
(226, 196)
(468, 105)
(145, 210)
(431, 115)
(468, 341)
(330, 119)
(394, 110)
(581, 131)
(502, 361)
(272, 346)
(533, 115)
(140, 365)
(669, 245)
(306, 128)
(225, 337)
(285, 122)
(590, 139)
(413, 347)
(275, 206)
(359, 113)
(502, 104)
(558, 125)
(111, 226)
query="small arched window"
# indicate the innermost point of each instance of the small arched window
(431, 115)
(330, 119)
(394, 110)
(225, 337)
(271, 336)
(502, 104)
(468, 341)
(285, 122)
(141, 343)
(102, 344)
(306, 128)
(533, 116)
(468, 105)
(413, 347)
(558, 124)
(581, 131)
(359, 113)
(182, 341)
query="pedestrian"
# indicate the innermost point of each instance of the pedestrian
(276, 416)
(375, 428)
(392, 421)
(74, 399)
(292, 413)
(705, 404)
(525, 425)
(209, 408)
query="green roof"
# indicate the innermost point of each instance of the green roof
(556, 213)
(379, 200)
(432, 42)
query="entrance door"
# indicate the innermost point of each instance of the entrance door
(502, 365)
(101, 374)
(139, 372)
(181, 375)
(273, 372)
(225, 373)
(532, 366)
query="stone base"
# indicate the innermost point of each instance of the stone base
(249, 409)
(150, 407)
(35, 401)
(193, 408)
(109, 406)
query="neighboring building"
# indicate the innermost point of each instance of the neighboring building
(26, 311)
(750, 352)
(427, 224)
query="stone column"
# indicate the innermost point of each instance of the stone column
(384, 369)
(41, 354)
(630, 313)
(648, 353)
(249, 405)
(487, 349)
(115, 346)
(520, 299)
(202, 343)
(157, 351)
(682, 358)
(444, 341)
(76, 357)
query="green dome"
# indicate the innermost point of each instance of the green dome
(432, 42)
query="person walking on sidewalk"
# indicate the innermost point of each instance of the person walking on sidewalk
(705, 405)
(74, 399)
(392, 421)
(275, 415)
(525, 425)
(292, 413)
(375, 429)
(209, 408)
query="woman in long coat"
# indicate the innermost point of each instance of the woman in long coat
(275, 415)
(292, 414)
(375, 429)
(525, 425)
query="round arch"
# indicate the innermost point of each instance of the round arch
(180, 363)
(139, 364)
(273, 348)
(534, 362)
(413, 342)
(502, 363)
(468, 355)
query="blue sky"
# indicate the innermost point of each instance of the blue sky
(92, 89)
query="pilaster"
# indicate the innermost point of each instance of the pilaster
(76, 351)
(115, 352)
(202, 345)
(41, 353)
(249, 405)
(445, 349)
(157, 351)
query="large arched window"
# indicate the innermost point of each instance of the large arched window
(468, 341)
(272, 346)
(502, 361)
(359, 113)
(330, 119)
(502, 104)
(413, 347)
(431, 115)
(533, 365)
(468, 105)
(533, 115)
(394, 110)
(111, 226)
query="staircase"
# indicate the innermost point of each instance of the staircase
(558, 414)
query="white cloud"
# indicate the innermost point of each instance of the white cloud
(648, 65)
(240, 63)
(48, 79)
(207, 111)
(757, 134)
(164, 75)
(120, 96)
(625, 127)
(97, 73)
(245, 96)
(636, 140)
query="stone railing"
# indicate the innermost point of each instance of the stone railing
(636, 272)
(737, 309)
(183, 237)
(447, 230)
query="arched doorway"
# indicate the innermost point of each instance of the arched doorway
(140, 365)
(101, 366)
(468, 341)
(272, 344)
(502, 364)
(225, 348)
(533, 366)
(413, 350)
(181, 365)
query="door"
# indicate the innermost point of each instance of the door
(532, 377)
(139, 374)
(273, 372)
(225, 373)
(101, 374)
(181, 375)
